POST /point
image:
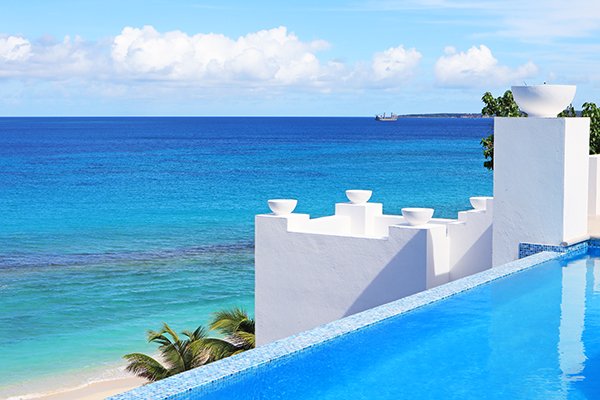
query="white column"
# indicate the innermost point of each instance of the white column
(362, 216)
(541, 168)
(594, 195)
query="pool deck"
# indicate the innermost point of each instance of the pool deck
(206, 378)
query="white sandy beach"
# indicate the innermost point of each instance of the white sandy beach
(91, 391)
(85, 384)
(95, 390)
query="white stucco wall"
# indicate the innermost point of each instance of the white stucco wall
(303, 280)
(594, 186)
(540, 182)
(313, 271)
(470, 242)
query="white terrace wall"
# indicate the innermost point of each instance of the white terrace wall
(594, 186)
(470, 241)
(313, 271)
(540, 183)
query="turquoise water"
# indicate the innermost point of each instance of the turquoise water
(532, 335)
(110, 226)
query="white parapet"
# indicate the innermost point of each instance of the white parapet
(362, 216)
(313, 271)
(540, 183)
(470, 241)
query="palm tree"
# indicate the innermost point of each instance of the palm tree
(178, 355)
(181, 355)
(237, 329)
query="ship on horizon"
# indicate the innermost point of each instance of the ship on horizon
(383, 117)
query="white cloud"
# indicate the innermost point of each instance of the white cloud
(268, 56)
(478, 67)
(14, 48)
(395, 63)
(151, 61)
(50, 60)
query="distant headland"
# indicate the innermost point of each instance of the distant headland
(443, 115)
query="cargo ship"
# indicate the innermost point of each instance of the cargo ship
(383, 117)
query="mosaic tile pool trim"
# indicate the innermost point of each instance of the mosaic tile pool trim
(528, 249)
(200, 380)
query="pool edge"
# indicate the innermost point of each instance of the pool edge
(195, 380)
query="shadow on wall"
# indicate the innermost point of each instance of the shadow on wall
(477, 258)
(391, 283)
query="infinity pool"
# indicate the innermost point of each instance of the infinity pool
(532, 335)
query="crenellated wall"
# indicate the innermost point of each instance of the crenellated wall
(312, 271)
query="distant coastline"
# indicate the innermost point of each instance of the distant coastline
(443, 115)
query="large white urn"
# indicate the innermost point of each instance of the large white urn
(543, 101)
(282, 206)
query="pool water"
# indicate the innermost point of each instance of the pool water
(532, 335)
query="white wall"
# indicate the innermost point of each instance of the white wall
(540, 182)
(313, 271)
(470, 242)
(303, 280)
(594, 186)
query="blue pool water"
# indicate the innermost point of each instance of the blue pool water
(110, 226)
(531, 335)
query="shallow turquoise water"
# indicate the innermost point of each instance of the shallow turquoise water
(532, 335)
(110, 226)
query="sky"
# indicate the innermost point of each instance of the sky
(288, 58)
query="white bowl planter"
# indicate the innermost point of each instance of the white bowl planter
(478, 202)
(358, 196)
(282, 206)
(543, 101)
(417, 216)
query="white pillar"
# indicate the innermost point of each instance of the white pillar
(362, 216)
(541, 168)
(594, 195)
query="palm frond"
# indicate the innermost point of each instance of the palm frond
(198, 334)
(219, 348)
(197, 348)
(228, 322)
(247, 326)
(146, 367)
(201, 354)
(167, 329)
(248, 339)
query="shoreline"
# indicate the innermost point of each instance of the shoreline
(71, 385)
(95, 390)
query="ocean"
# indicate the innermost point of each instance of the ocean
(112, 226)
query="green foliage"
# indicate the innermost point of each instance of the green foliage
(591, 111)
(178, 355)
(568, 112)
(502, 106)
(505, 106)
(238, 330)
(196, 349)
(488, 151)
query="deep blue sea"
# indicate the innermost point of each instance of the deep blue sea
(110, 226)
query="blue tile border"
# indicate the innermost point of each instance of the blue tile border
(202, 379)
(528, 249)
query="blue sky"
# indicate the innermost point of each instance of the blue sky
(179, 57)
